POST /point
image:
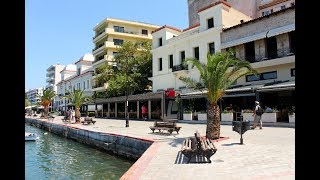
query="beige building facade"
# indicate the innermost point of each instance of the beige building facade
(109, 36)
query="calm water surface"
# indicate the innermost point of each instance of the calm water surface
(56, 157)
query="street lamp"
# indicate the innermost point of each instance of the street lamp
(134, 68)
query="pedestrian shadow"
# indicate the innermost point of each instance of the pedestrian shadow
(230, 144)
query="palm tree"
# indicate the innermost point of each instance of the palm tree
(77, 99)
(220, 72)
(46, 99)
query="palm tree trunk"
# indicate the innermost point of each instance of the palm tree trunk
(46, 111)
(77, 114)
(213, 123)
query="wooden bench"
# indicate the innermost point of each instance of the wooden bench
(197, 146)
(169, 126)
(51, 117)
(88, 120)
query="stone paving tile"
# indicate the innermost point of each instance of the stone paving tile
(266, 154)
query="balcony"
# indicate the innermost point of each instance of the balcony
(99, 36)
(106, 45)
(281, 56)
(50, 73)
(179, 67)
(50, 80)
(100, 87)
(126, 33)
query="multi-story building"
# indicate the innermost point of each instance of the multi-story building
(110, 34)
(247, 7)
(252, 8)
(75, 76)
(34, 95)
(172, 46)
(53, 76)
(266, 7)
(268, 43)
(269, 37)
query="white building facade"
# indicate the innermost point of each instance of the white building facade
(34, 95)
(77, 76)
(172, 46)
(53, 76)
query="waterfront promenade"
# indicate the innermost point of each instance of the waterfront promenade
(266, 154)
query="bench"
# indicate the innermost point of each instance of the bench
(51, 117)
(169, 126)
(88, 120)
(197, 146)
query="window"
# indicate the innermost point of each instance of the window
(292, 42)
(249, 52)
(160, 41)
(211, 48)
(171, 61)
(265, 13)
(196, 52)
(118, 29)
(272, 50)
(182, 56)
(269, 75)
(210, 23)
(293, 72)
(144, 31)
(78, 71)
(87, 84)
(114, 53)
(262, 76)
(160, 64)
(118, 42)
(84, 85)
(283, 6)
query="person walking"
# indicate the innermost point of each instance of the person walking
(257, 116)
(73, 115)
(144, 111)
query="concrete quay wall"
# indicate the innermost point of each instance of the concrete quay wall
(124, 146)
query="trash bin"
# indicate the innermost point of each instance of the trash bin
(240, 126)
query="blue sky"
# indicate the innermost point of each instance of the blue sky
(61, 31)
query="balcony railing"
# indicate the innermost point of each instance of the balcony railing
(269, 55)
(179, 67)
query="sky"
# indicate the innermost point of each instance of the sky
(61, 31)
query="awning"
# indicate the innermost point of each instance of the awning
(272, 32)
(289, 85)
(237, 91)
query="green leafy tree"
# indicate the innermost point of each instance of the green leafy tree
(46, 99)
(220, 72)
(27, 102)
(135, 56)
(78, 99)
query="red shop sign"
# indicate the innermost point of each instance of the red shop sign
(170, 93)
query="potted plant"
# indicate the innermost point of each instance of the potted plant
(270, 116)
(227, 115)
(202, 115)
(247, 114)
(292, 115)
(187, 115)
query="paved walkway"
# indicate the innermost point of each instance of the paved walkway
(266, 154)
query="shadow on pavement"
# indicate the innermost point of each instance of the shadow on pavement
(230, 144)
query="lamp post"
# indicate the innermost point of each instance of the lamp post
(127, 91)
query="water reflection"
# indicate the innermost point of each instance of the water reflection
(56, 157)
